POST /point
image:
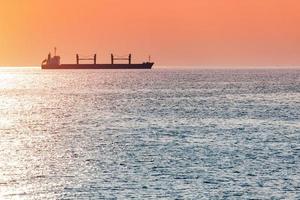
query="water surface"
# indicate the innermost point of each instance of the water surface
(149, 134)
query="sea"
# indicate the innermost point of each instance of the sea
(150, 134)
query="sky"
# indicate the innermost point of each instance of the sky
(173, 32)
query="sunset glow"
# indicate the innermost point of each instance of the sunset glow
(149, 99)
(174, 32)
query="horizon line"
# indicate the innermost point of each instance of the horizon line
(191, 66)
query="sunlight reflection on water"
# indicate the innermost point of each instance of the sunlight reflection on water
(199, 134)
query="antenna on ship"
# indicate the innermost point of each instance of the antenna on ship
(149, 58)
(54, 51)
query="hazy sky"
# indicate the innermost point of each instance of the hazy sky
(174, 32)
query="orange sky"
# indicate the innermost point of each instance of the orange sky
(174, 32)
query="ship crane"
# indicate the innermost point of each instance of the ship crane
(94, 58)
(113, 58)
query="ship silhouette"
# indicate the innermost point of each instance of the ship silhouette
(53, 62)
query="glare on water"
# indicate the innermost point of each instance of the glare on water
(149, 134)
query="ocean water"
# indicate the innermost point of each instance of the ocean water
(153, 134)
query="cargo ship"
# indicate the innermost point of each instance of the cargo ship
(53, 62)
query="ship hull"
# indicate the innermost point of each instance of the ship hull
(99, 66)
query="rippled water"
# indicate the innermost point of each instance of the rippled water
(172, 134)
